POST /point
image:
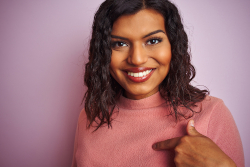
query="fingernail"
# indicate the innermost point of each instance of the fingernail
(192, 123)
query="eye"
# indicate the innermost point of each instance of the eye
(118, 44)
(154, 41)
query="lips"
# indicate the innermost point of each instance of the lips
(140, 74)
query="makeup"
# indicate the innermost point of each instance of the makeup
(141, 53)
(140, 74)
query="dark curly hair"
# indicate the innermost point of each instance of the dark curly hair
(103, 91)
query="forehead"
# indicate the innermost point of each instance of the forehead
(139, 24)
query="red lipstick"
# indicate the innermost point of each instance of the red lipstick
(137, 70)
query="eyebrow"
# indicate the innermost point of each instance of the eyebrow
(114, 36)
(152, 33)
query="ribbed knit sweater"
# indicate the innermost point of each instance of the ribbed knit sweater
(139, 124)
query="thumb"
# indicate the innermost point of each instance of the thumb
(191, 129)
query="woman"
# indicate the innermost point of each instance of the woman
(140, 107)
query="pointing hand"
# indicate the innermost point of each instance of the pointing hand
(195, 149)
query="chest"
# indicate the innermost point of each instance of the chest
(128, 143)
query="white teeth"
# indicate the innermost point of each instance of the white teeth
(139, 74)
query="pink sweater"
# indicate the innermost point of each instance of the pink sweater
(140, 123)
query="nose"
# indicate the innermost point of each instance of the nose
(137, 55)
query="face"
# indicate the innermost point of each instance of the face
(141, 53)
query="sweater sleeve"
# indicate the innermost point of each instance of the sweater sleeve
(75, 147)
(223, 131)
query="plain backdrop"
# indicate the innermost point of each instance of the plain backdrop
(43, 49)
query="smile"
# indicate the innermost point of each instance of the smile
(140, 74)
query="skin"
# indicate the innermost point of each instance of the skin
(140, 48)
(134, 45)
(189, 150)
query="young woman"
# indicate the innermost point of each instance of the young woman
(140, 107)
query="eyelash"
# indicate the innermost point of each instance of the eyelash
(114, 44)
(158, 39)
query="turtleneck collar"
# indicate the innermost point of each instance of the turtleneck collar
(148, 102)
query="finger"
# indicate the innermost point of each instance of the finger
(167, 144)
(191, 129)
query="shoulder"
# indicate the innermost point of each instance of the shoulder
(82, 119)
(209, 113)
(218, 109)
(83, 122)
(82, 116)
(211, 102)
(219, 114)
(214, 107)
(210, 105)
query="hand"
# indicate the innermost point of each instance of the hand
(195, 149)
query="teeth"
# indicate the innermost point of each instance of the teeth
(139, 74)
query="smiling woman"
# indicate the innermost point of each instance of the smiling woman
(140, 107)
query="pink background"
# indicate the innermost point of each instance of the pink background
(42, 54)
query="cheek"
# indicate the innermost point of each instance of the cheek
(114, 66)
(117, 60)
(164, 57)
